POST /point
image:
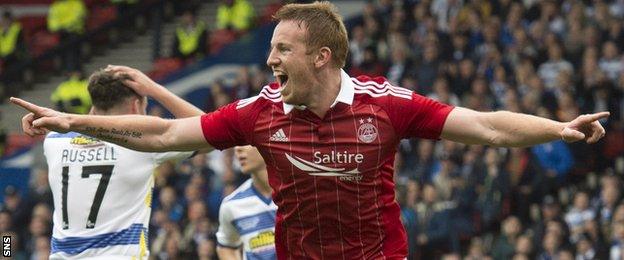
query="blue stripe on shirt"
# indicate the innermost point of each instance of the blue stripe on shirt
(260, 221)
(64, 135)
(263, 255)
(244, 194)
(76, 245)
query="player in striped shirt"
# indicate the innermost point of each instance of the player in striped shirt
(102, 191)
(247, 216)
(328, 139)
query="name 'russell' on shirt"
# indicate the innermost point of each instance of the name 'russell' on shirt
(103, 153)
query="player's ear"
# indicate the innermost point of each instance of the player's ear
(323, 57)
(139, 105)
(136, 106)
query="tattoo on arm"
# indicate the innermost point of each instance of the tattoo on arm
(114, 135)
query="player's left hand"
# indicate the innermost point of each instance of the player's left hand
(41, 119)
(585, 127)
(134, 79)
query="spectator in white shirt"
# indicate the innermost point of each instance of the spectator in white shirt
(579, 214)
(610, 62)
(617, 243)
(550, 69)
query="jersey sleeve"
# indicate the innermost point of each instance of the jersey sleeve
(175, 156)
(226, 127)
(418, 117)
(227, 234)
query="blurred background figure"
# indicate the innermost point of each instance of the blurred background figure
(67, 18)
(72, 96)
(236, 15)
(12, 54)
(190, 41)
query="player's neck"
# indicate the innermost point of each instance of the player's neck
(325, 91)
(114, 111)
(261, 186)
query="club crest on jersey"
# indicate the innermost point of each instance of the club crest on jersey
(367, 132)
(85, 141)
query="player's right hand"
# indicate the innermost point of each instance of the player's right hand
(41, 119)
(134, 79)
(585, 127)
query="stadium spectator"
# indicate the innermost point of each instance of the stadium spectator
(189, 43)
(556, 64)
(370, 64)
(237, 15)
(494, 185)
(477, 250)
(37, 228)
(611, 61)
(358, 44)
(524, 246)
(505, 244)
(441, 92)
(427, 70)
(126, 12)
(196, 170)
(434, 230)
(608, 200)
(11, 34)
(617, 241)
(6, 222)
(72, 95)
(399, 65)
(196, 214)
(242, 86)
(169, 204)
(17, 208)
(206, 250)
(408, 197)
(12, 53)
(578, 215)
(39, 188)
(67, 18)
(585, 249)
(42, 248)
(551, 246)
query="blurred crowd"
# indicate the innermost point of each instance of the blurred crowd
(555, 59)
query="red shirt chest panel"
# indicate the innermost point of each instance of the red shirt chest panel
(329, 173)
(348, 142)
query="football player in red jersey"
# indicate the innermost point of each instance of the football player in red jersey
(328, 139)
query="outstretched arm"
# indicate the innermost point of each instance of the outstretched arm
(141, 133)
(145, 86)
(503, 128)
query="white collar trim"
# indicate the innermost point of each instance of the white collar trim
(345, 95)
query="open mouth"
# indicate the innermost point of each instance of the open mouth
(282, 79)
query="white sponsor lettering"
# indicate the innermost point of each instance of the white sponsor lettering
(338, 157)
(316, 169)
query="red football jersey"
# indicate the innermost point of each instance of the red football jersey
(332, 177)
